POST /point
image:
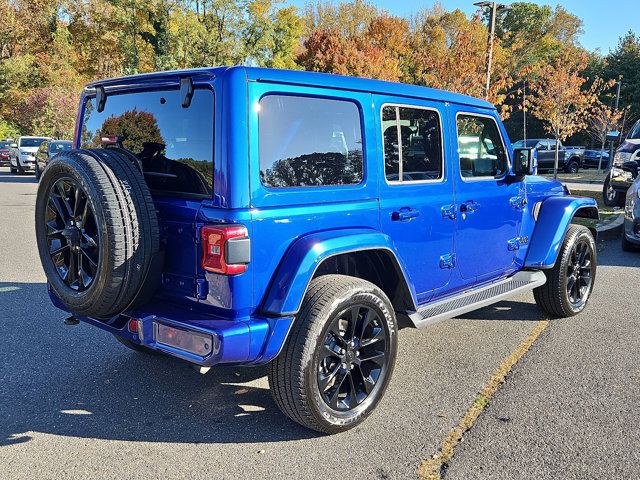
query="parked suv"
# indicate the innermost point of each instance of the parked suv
(631, 231)
(46, 151)
(5, 146)
(23, 154)
(616, 184)
(569, 158)
(249, 216)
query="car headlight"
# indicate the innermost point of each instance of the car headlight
(621, 157)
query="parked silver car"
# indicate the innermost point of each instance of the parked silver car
(631, 233)
(22, 156)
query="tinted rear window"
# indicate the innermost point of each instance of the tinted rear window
(309, 142)
(175, 144)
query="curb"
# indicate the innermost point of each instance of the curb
(612, 230)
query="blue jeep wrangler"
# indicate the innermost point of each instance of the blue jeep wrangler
(249, 216)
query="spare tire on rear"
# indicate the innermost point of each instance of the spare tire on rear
(97, 232)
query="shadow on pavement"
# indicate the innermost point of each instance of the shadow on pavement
(504, 311)
(78, 381)
(7, 177)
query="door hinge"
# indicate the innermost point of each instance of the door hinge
(514, 244)
(449, 211)
(448, 260)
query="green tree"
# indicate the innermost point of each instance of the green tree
(624, 63)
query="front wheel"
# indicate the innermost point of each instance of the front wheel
(19, 167)
(339, 357)
(570, 281)
(610, 196)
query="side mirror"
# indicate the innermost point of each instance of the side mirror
(632, 166)
(525, 161)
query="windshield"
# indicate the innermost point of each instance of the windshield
(634, 134)
(175, 144)
(527, 144)
(31, 142)
(55, 147)
(4, 145)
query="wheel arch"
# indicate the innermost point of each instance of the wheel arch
(361, 253)
(552, 223)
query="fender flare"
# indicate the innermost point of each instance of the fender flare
(286, 291)
(553, 221)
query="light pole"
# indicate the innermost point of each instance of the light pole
(494, 9)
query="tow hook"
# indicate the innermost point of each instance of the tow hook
(71, 320)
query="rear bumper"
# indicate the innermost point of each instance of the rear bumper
(249, 341)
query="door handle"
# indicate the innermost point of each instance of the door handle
(405, 214)
(469, 207)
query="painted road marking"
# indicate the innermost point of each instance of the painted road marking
(432, 468)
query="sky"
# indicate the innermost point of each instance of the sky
(604, 21)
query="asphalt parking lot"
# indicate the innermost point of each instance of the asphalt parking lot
(74, 403)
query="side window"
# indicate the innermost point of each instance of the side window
(480, 147)
(417, 155)
(309, 142)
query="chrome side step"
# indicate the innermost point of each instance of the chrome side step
(475, 299)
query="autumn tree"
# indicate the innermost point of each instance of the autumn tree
(559, 99)
(449, 52)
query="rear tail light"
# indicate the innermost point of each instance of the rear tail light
(225, 249)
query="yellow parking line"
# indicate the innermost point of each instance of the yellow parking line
(431, 469)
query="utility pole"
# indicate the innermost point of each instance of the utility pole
(616, 110)
(524, 111)
(494, 9)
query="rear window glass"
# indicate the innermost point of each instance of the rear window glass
(309, 142)
(175, 144)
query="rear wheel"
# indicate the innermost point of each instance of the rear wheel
(570, 281)
(572, 167)
(610, 196)
(339, 357)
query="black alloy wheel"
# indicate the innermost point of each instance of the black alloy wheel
(579, 277)
(72, 234)
(570, 282)
(339, 356)
(353, 357)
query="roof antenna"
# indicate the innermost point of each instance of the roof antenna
(186, 91)
(101, 98)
